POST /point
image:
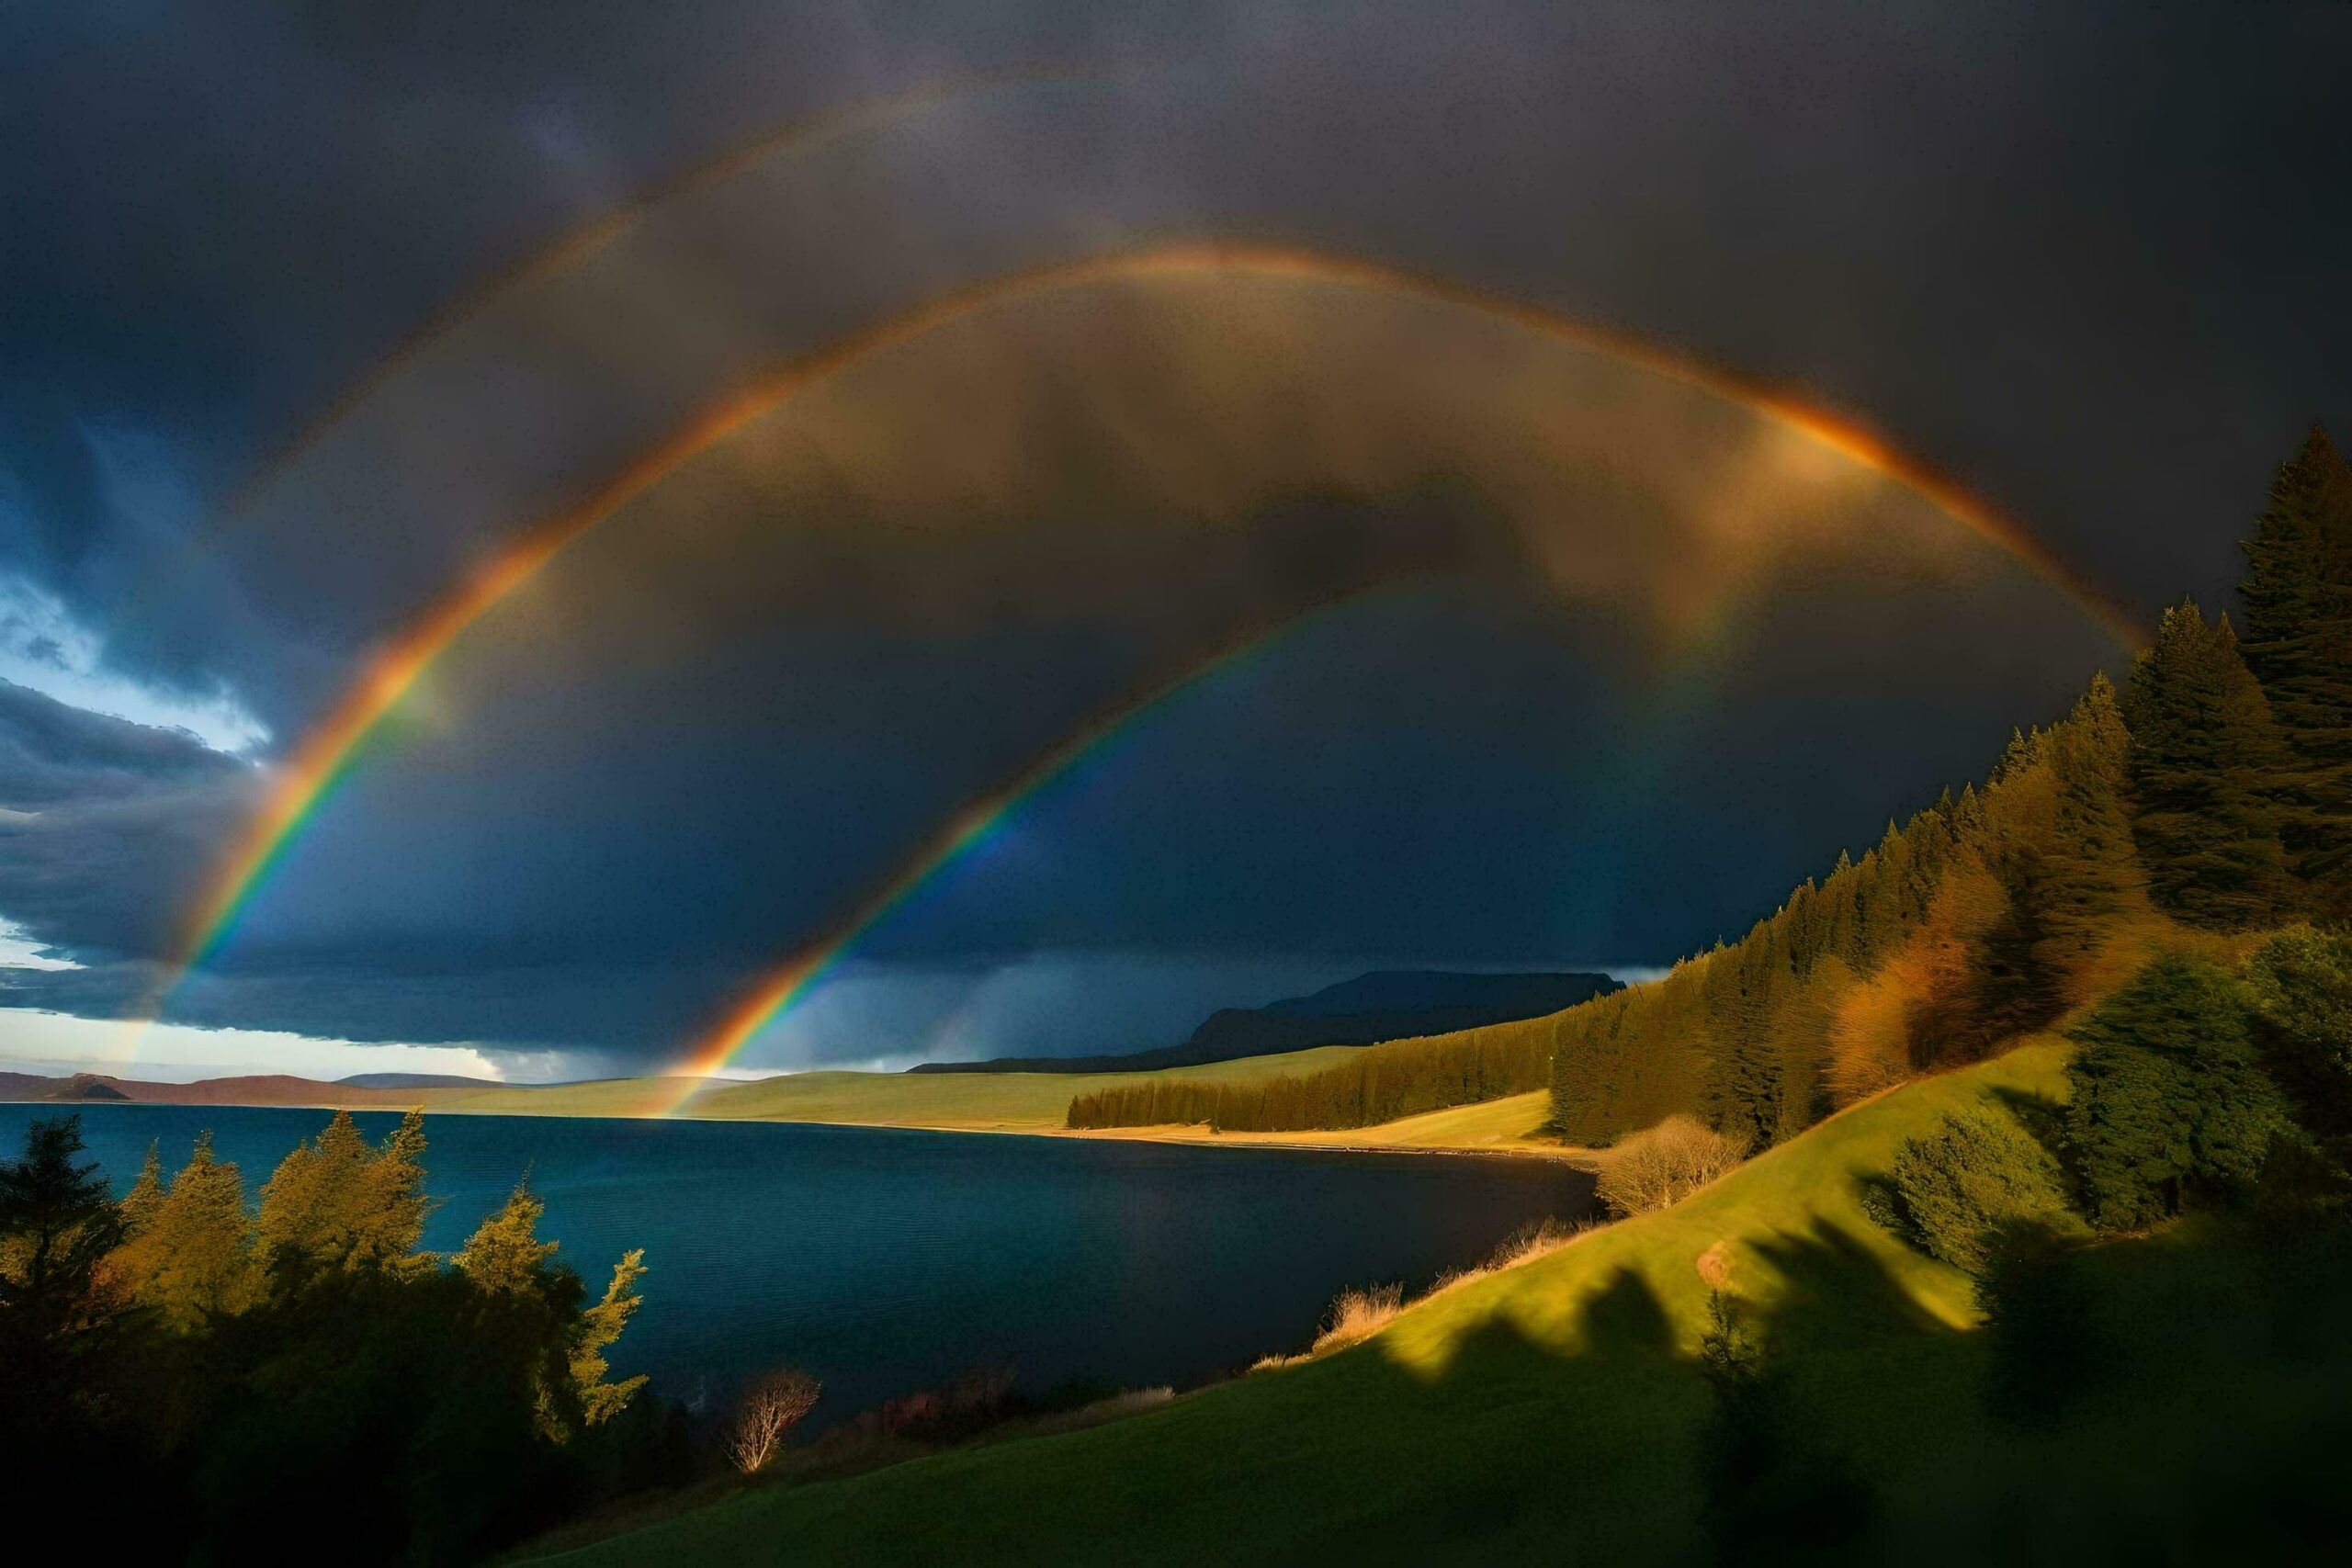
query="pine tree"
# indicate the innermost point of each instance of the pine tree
(2090, 869)
(2204, 758)
(1845, 924)
(394, 1208)
(145, 1200)
(599, 1327)
(195, 1260)
(311, 1206)
(2016, 757)
(2169, 1096)
(57, 1221)
(1798, 1037)
(1808, 928)
(2298, 598)
(2012, 987)
(504, 1255)
(1745, 1093)
(1967, 815)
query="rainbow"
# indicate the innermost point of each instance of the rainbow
(326, 753)
(968, 831)
(807, 134)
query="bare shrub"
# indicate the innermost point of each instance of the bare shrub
(1662, 1164)
(972, 1403)
(772, 1408)
(1358, 1314)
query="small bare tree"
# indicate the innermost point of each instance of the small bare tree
(776, 1404)
(1663, 1165)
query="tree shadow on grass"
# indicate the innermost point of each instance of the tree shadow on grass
(1515, 1449)
(2038, 1114)
(1523, 1450)
(1625, 1319)
(1836, 1292)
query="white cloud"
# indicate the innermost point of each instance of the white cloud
(171, 1052)
(20, 952)
(45, 650)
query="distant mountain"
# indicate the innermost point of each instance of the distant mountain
(26, 1086)
(85, 1086)
(268, 1088)
(419, 1080)
(1388, 1004)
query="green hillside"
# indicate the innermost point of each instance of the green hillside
(1498, 1413)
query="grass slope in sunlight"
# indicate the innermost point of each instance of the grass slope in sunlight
(1549, 1408)
(1507, 1124)
(1023, 1102)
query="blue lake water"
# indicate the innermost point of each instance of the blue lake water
(888, 1261)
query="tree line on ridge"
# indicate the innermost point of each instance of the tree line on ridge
(2212, 793)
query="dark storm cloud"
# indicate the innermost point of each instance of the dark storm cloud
(52, 753)
(2036, 246)
(2085, 260)
(105, 826)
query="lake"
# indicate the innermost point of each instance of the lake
(888, 1261)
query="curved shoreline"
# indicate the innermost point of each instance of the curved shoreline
(1418, 1134)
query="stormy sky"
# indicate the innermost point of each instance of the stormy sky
(1281, 622)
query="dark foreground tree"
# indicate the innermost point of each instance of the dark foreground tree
(2207, 766)
(2301, 981)
(2298, 597)
(401, 1408)
(2170, 1101)
(1774, 1496)
(2090, 869)
(58, 1221)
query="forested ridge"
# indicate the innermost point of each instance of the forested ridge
(2212, 795)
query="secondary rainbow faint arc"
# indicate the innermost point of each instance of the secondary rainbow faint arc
(326, 752)
(806, 134)
(963, 833)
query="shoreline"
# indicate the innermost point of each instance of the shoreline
(1175, 1134)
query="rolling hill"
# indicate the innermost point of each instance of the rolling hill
(1388, 1004)
(1557, 1411)
(1492, 1416)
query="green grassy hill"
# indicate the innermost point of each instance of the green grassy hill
(1013, 1103)
(1550, 1407)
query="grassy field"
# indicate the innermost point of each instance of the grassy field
(998, 1103)
(1505, 1126)
(1550, 1409)
(1006, 1102)
(1009, 1102)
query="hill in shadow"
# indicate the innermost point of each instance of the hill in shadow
(1388, 1004)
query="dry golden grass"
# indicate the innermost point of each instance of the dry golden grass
(1523, 1245)
(1358, 1314)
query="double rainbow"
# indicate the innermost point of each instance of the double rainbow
(326, 755)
